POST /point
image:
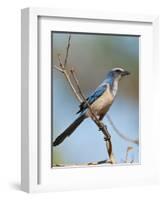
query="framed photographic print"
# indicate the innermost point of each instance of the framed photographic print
(86, 93)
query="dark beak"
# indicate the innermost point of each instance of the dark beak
(125, 73)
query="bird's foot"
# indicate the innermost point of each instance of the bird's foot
(106, 138)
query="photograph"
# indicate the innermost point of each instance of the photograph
(94, 99)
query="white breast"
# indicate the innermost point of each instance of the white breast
(102, 104)
(115, 87)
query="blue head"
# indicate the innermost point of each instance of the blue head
(115, 75)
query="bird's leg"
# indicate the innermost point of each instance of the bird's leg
(102, 126)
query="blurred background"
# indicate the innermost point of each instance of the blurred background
(92, 56)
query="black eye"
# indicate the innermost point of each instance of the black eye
(118, 71)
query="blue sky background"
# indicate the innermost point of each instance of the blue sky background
(93, 56)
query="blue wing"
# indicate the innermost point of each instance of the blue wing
(93, 97)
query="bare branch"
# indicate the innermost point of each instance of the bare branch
(136, 141)
(58, 68)
(81, 98)
(60, 61)
(64, 71)
(67, 50)
(72, 86)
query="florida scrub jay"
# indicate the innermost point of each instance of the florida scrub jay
(100, 101)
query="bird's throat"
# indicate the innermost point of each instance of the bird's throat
(114, 87)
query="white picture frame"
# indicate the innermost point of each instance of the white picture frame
(36, 171)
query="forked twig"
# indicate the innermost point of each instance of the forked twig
(65, 72)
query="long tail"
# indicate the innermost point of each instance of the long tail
(69, 130)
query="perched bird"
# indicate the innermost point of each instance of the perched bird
(100, 101)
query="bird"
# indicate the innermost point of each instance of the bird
(100, 101)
